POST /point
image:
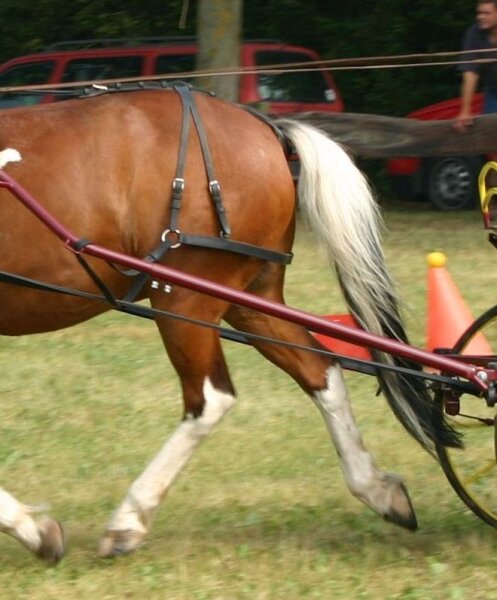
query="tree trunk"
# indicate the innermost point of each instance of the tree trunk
(219, 25)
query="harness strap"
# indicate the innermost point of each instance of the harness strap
(172, 237)
(178, 187)
(190, 109)
(203, 241)
(282, 258)
(179, 181)
(214, 186)
(142, 277)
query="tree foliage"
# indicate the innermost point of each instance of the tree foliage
(338, 29)
(352, 28)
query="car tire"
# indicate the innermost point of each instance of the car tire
(452, 182)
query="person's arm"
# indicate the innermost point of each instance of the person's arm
(468, 88)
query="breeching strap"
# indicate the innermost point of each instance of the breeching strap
(172, 237)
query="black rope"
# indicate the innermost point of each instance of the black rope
(109, 297)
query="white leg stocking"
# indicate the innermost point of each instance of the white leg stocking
(382, 492)
(133, 518)
(44, 537)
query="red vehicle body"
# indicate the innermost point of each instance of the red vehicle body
(448, 183)
(94, 60)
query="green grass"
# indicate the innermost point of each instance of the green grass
(261, 511)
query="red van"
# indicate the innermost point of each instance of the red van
(447, 182)
(94, 60)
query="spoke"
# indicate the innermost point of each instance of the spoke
(468, 421)
(480, 473)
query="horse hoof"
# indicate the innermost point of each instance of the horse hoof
(52, 547)
(401, 511)
(115, 542)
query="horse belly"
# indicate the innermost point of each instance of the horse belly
(26, 312)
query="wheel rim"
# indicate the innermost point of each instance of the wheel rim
(472, 472)
(452, 181)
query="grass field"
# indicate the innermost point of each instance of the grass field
(261, 512)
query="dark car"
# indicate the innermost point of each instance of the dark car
(447, 182)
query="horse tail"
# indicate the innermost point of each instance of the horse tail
(337, 201)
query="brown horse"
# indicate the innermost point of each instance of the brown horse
(103, 166)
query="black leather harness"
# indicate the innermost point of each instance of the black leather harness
(172, 237)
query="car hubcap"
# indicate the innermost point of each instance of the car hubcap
(453, 182)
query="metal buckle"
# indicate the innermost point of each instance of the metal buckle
(171, 235)
(214, 187)
(178, 184)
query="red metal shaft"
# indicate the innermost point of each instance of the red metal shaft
(310, 321)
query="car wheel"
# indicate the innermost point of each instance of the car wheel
(452, 182)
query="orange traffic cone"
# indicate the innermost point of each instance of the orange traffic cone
(339, 346)
(448, 315)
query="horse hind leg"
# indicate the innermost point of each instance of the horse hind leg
(385, 493)
(208, 394)
(318, 376)
(43, 536)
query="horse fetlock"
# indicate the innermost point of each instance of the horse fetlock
(118, 542)
(127, 529)
(52, 541)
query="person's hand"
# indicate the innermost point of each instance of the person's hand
(463, 121)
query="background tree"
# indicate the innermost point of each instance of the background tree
(219, 26)
(354, 28)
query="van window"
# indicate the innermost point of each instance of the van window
(308, 86)
(175, 63)
(95, 69)
(99, 68)
(36, 73)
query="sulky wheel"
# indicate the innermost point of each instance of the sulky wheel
(472, 472)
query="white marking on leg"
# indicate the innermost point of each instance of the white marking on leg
(356, 462)
(138, 508)
(365, 481)
(16, 521)
(9, 155)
